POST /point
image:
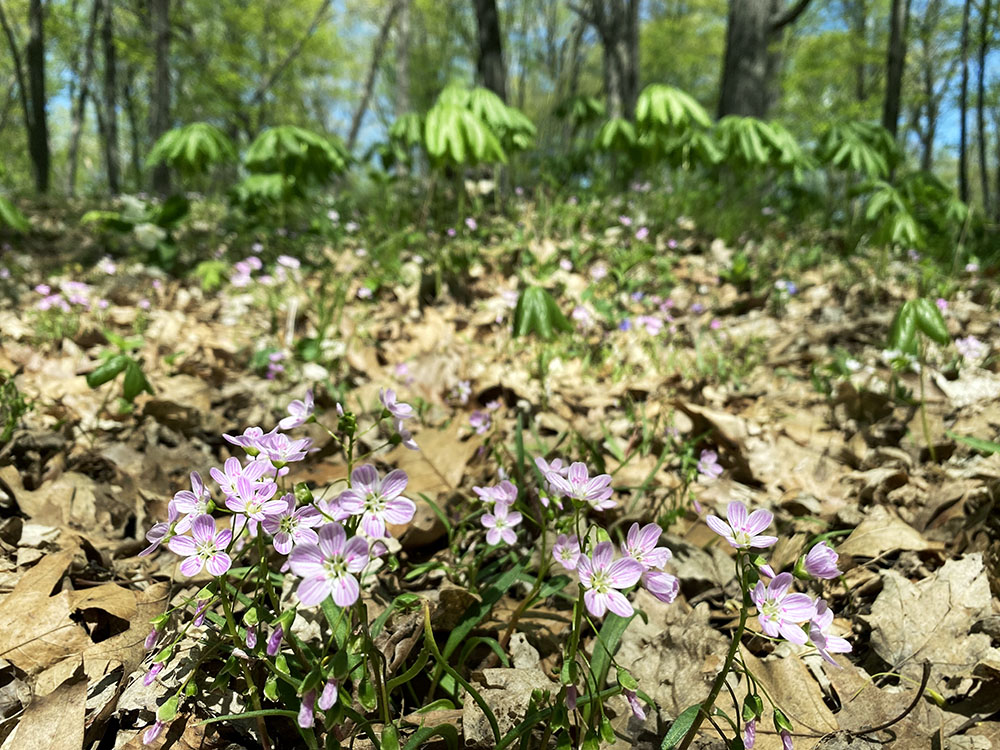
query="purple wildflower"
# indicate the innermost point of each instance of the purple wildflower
(153, 733)
(663, 586)
(750, 734)
(150, 639)
(299, 412)
(377, 500)
(501, 523)
(566, 551)
(743, 531)
(150, 676)
(292, 525)
(158, 532)
(329, 695)
(249, 440)
(786, 738)
(232, 471)
(504, 493)
(481, 421)
(396, 408)
(821, 639)
(635, 705)
(780, 612)
(307, 710)
(192, 503)
(821, 562)
(708, 464)
(254, 500)
(207, 548)
(602, 578)
(274, 640)
(578, 485)
(327, 567)
(281, 449)
(640, 545)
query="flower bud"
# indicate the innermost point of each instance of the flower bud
(306, 711)
(151, 674)
(151, 639)
(274, 642)
(150, 735)
(329, 695)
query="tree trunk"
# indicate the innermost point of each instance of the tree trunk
(159, 120)
(984, 41)
(135, 153)
(112, 151)
(895, 64)
(22, 83)
(38, 135)
(377, 51)
(859, 39)
(617, 26)
(963, 108)
(748, 65)
(489, 65)
(403, 101)
(80, 105)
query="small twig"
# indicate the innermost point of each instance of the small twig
(924, 678)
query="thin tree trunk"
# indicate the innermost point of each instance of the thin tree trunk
(984, 41)
(112, 151)
(895, 64)
(38, 136)
(80, 105)
(377, 51)
(403, 101)
(135, 153)
(22, 83)
(490, 66)
(963, 108)
(160, 105)
(617, 25)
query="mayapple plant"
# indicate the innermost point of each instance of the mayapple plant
(267, 553)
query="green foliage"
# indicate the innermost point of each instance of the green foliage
(662, 107)
(456, 137)
(748, 143)
(860, 147)
(12, 406)
(537, 312)
(890, 213)
(192, 149)
(11, 217)
(616, 136)
(119, 360)
(300, 156)
(210, 273)
(917, 316)
(151, 225)
(580, 110)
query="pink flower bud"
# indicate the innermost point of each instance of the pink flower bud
(151, 734)
(306, 711)
(151, 639)
(151, 674)
(329, 695)
(274, 642)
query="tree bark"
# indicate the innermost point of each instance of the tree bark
(294, 52)
(895, 64)
(159, 120)
(22, 83)
(984, 41)
(38, 135)
(377, 51)
(403, 101)
(617, 26)
(112, 151)
(963, 108)
(749, 65)
(492, 72)
(132, 114)
(80, 104)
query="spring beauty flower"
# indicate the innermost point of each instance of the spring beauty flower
(281, 449)
(480, 421)
(780, 613)
(708, 464)
(566, 551)
(640, 545)
(254, 500)
(205, 548)
(501, 523)
(405, 436)
(292, 525)
(580, 486)
(743, 531)
(397, 409)
(192, 503)
(232, 471)
(602, 578)
(971, 348)
(158, 532)
(327, 567)
(821, 639)
(377, 501)
(821, 562)
(504, 493)
(299, 412)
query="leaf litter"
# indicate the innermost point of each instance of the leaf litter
(919, 537)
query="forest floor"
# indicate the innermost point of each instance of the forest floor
(790, 387)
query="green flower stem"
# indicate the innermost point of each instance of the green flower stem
(706, 706)
(251, 685)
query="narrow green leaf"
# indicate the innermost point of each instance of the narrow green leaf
(680, 727)
(108, 371)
